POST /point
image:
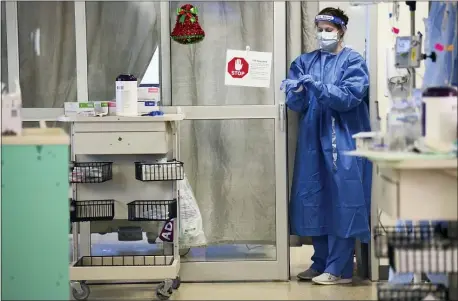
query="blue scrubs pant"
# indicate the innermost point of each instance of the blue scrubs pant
(333, 255)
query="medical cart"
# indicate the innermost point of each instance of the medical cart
(115, 174)
(417, 187)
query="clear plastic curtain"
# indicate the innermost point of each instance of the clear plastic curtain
(121, 37)
(230, 163)
(47, 60)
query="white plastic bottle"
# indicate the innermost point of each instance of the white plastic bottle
(126, 95)
(403, 125)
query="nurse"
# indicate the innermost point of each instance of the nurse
(330, 195)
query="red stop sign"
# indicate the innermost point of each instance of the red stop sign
(237, 67)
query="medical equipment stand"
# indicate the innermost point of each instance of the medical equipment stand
(418, 187)
(107, 153)
(412, 7)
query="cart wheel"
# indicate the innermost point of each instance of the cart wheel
(161, 294)
(84, 294)
(176, 283)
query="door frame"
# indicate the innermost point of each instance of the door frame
(258, 270)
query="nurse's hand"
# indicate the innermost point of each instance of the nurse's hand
(290, 84)
(306, 79)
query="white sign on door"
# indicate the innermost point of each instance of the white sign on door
(248, 68)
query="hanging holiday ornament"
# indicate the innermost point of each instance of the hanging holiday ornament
(187, 29)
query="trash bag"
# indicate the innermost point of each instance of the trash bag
(191, 228)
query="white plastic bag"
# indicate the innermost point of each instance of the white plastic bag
(191, 229)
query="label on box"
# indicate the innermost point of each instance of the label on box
(149, 103)
(85, 105)
(101, 107)
(147, 106)
(148, 93)
(79, 108)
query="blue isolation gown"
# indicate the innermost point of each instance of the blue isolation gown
(330, 194)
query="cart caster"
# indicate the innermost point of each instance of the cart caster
(176, 283)
(80, 291)
(164, 293)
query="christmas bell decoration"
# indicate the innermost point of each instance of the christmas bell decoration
(187, 29)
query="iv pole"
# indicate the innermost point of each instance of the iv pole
(412, 7)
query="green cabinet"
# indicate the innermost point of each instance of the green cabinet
(35, 216)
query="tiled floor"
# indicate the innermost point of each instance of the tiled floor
(293, 290)
(240, 291)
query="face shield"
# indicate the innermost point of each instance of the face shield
(329, 40)
(332, 19)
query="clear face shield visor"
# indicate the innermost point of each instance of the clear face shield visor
(331, 19)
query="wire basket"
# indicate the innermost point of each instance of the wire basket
(417, 249)
(160, 210)
(126, 260)
(90, 172)
(167, 171)
(87, 211)
(411, 292)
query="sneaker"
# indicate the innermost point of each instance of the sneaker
(329, 279)
(308, 274)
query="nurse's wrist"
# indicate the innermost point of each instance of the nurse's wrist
(300, 89)
(316, 89)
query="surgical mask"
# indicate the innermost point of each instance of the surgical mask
(328, 40)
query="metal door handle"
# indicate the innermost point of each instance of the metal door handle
(377, 111)
(281, 108)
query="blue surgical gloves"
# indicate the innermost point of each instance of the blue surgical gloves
(288, 85)
(306, 79)
(295, 93)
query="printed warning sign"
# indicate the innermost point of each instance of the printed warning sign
(248, 68)
(237, 67)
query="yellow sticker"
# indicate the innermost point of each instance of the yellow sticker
(414, 54)
(450, 48)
